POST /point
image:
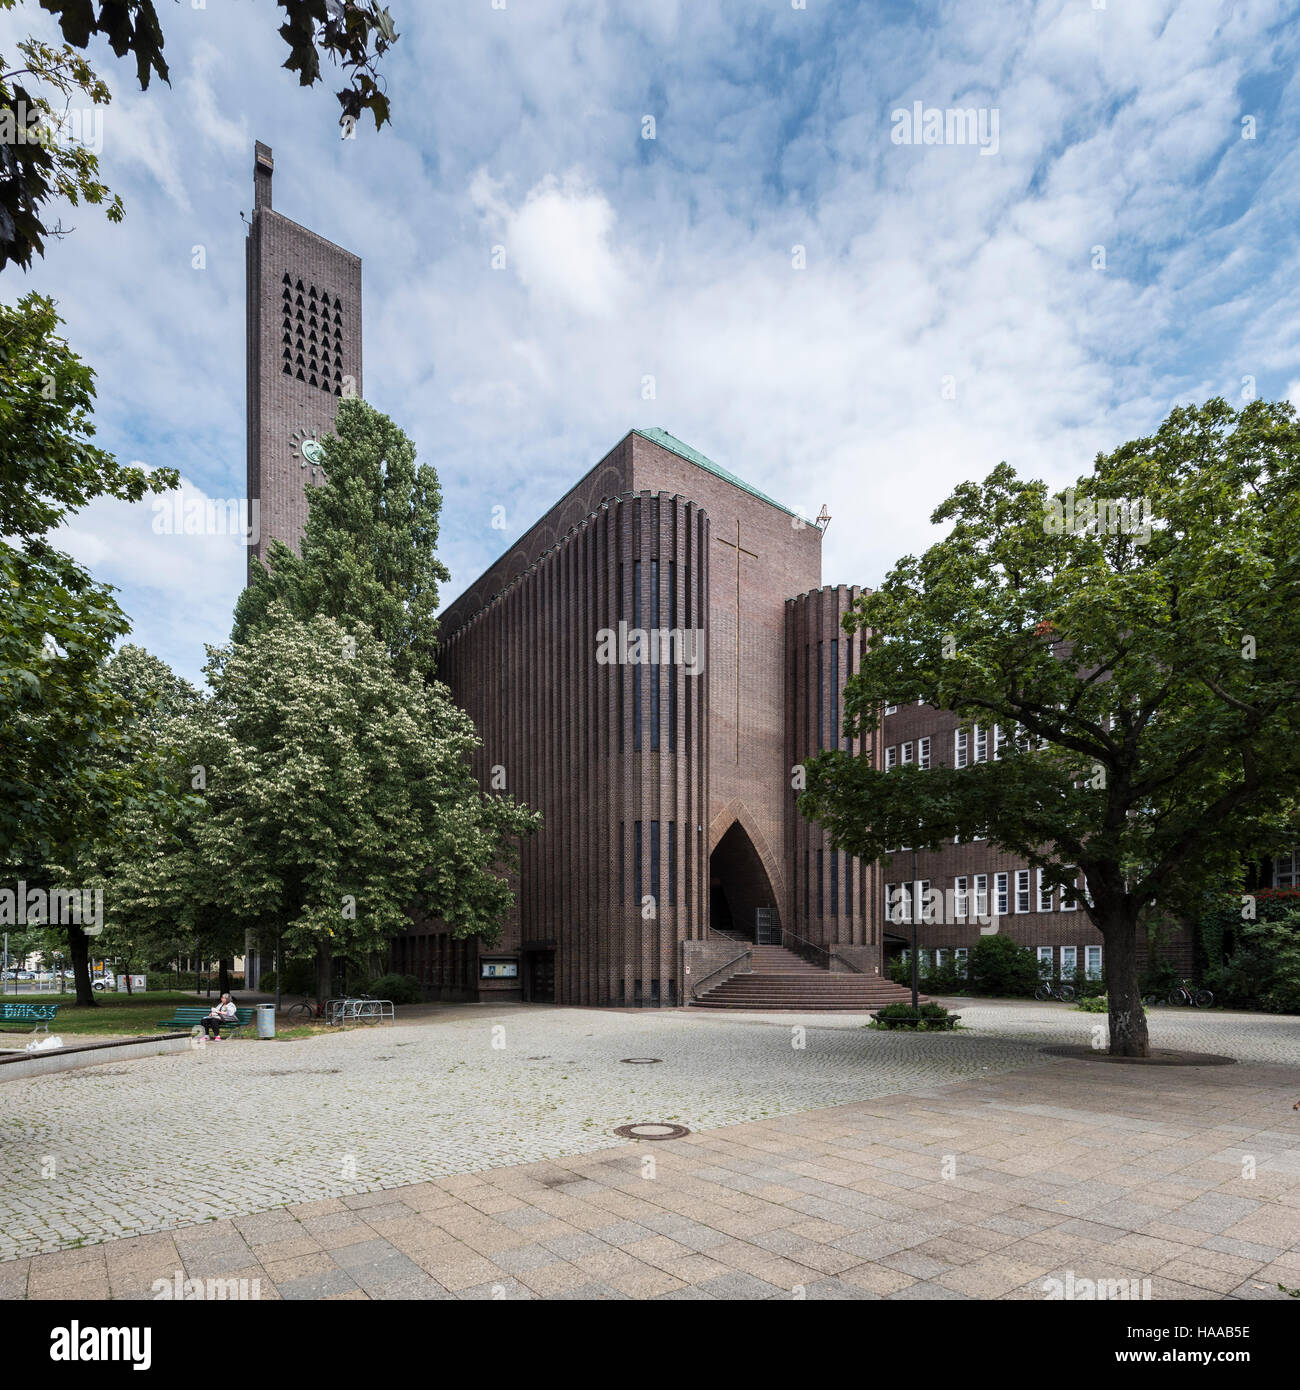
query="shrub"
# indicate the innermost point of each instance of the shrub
(1092, 1004)
(299, 978)
(1264, 967)
(401, 989)
(996, 965)
(907, 1011)
(948, 978)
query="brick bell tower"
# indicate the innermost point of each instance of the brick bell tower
(304, 356)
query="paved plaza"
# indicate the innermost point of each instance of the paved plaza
(470, 1153)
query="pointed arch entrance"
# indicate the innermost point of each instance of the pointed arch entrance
(740, 888)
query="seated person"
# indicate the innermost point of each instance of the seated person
(223, 1012)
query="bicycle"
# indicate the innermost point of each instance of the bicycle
(1048, 990)
(307, 1007)
(1184, 994)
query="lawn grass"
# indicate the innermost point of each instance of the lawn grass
(112, 1014)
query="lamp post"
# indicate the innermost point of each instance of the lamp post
(915, 913)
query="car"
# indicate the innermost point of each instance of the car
(102, 982)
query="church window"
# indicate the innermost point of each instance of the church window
(835, 693)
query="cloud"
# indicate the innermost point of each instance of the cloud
(952, 311)
(558, 240)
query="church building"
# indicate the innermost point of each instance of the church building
(649, 665)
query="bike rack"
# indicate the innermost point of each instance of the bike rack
(358, 1010)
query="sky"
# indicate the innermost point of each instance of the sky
(834, 312)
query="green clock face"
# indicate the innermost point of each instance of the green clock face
(311, 453)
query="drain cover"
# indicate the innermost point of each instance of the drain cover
(650, 1130)
(640, 1061)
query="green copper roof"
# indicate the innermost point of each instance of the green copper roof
(675, 446)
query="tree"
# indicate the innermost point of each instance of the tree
(147, 905)
(1138, 635)
(340, 796)
(37, 162)
(69, 762)
(368, 550)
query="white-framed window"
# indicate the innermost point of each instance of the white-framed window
(960, 898)
(925, 910)
(1069, 903)
(960, 747)
(923, 752)
(1092, 962)
(981, 743)
(1022, 890)
(906, 753)
(1002, 894)
(891, 709)
(1043, 743)
(1286, 869)
(1045, 962)
(1069, 960)
(959, 960)
(999, 741)
(891, 757)
(981, 895)
(940, 956)
(1045, 894)
(896, 898)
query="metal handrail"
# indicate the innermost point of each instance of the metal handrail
(695, 987)
(821, 950)
(844, 960)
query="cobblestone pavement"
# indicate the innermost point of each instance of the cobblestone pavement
(1248, 1037)
(1088, 1160)
(1163, 1182)
(159, 1142)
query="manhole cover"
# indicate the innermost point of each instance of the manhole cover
(640, 1061)
(651, 1131)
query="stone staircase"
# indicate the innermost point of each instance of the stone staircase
(781, 980)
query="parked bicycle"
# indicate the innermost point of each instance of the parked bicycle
(1057, 989)
(1186, 993)
(307, 1007)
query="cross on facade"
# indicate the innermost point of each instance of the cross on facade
(740, 550)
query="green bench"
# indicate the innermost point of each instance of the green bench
(40, 1014)
(188, 1018)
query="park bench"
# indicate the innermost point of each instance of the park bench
(190, 1018)
(39, 1014)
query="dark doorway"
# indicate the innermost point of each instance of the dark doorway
(738, 886)
(541, 977)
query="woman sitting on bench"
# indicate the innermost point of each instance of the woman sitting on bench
(224, 1012)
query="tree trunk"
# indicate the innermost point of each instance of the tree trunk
(324, 969)
(1128, 1020)
(79, 951)
(224, 984)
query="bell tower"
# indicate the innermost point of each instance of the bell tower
(304, 356)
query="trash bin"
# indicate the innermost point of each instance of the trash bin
(266, 1020)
